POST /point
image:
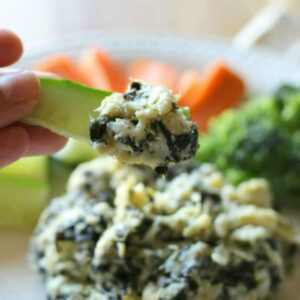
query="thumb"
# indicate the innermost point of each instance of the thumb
(19, 93)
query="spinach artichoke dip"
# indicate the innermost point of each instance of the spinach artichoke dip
(123, 233)
(144, 126)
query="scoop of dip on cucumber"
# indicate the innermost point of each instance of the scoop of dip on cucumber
(142, 126)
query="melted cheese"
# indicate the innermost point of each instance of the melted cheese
(144, 126)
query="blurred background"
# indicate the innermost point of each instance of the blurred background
(274, 24)
(37, 20)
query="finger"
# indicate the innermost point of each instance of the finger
(19, 93)
(11, 48)
(14, 143)
(42, 141)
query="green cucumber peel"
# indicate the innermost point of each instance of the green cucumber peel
(186, 111)
(65, 107)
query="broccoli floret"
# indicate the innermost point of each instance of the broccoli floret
(260, 139)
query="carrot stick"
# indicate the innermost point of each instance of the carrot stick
(102, 71)
(221, 88)
(154, 72)
(63, 66)
(189, 86)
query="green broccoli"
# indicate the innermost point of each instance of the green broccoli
(260, 139)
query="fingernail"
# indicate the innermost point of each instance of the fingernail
(19, 87)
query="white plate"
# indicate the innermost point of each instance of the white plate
(263, 70)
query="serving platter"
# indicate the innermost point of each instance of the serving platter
(262, 69)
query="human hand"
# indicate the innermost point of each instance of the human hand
(19, 93)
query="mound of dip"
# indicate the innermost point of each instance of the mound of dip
(123, 233)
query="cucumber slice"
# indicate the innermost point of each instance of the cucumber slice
(58, 176)
(35, 168)
(21, 202)
(65, 107)
(75, 152)
(24, 190)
